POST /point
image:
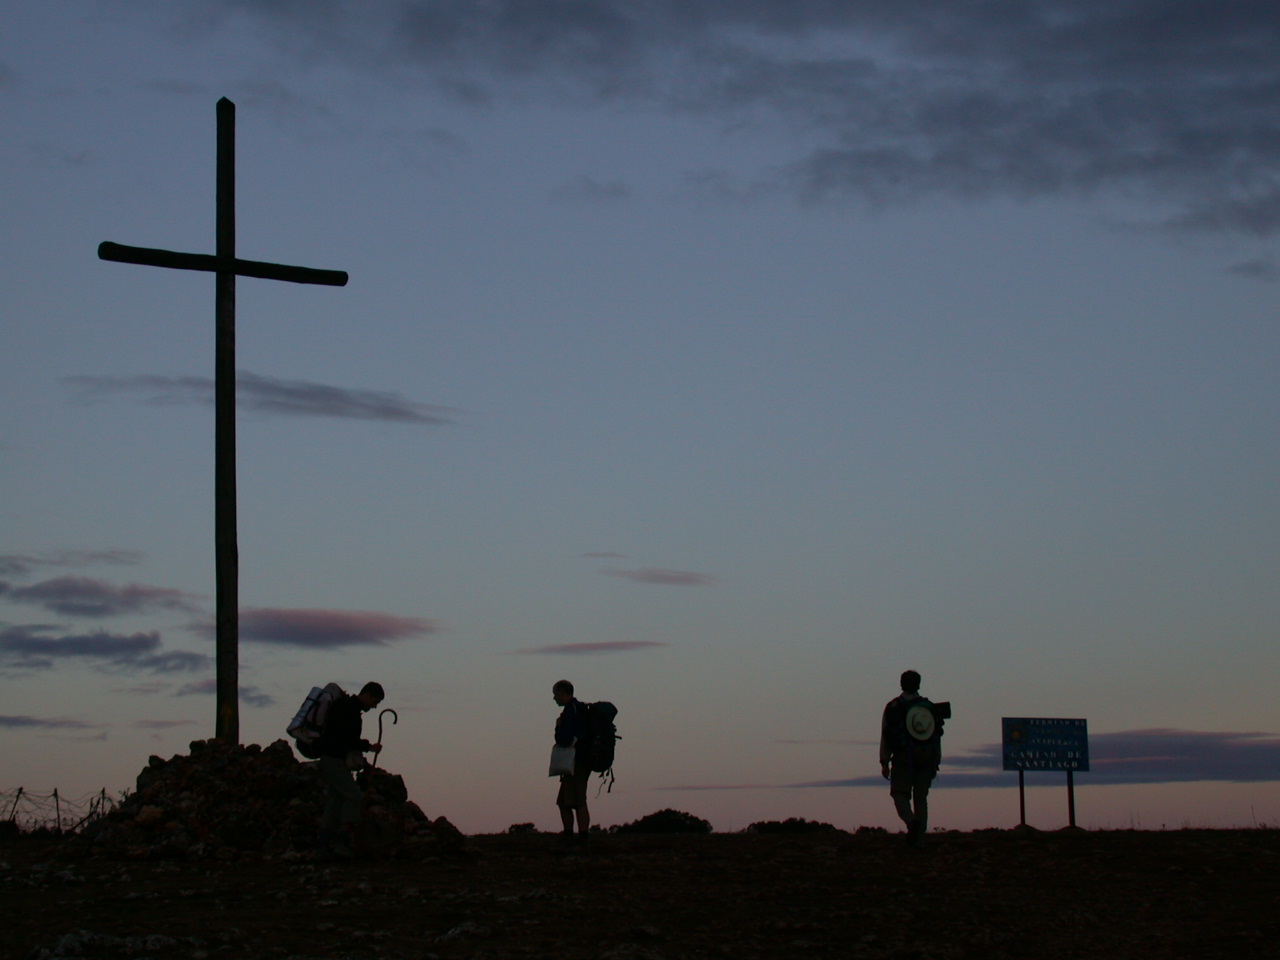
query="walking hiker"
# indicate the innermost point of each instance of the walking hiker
(571, 731)
(342, 750)
(910, 752)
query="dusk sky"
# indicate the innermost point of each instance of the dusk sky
(725, 357)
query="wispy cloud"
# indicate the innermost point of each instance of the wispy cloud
(584, 189)
(163, 724)
(86, 597)
(830, 743)
(325, 629)
(1173, 105)
(669, 578)
(31, 648)
(249, 694)
(265, 395)
(26, 723)
(21, 565)
(588, 649)
(1265, 270)
(692, 787)
(1130, 756)
(147, 689)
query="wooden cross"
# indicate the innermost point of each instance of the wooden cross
(226, 268)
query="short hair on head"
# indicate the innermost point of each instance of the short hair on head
(373, 688)
(910, 681)
(562, 686)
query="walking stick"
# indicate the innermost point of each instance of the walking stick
(395, 718)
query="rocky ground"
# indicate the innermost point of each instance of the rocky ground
(988, 895)
(212, 857)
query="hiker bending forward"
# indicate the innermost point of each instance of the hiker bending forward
(341, 752)
(907, 762)
(571, 730)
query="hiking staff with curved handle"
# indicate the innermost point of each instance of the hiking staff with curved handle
(395, 719)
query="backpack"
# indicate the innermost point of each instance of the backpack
(307, 725)
(600, 738)
(916, 728)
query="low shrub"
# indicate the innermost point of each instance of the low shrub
(665, 821)
(792, 825)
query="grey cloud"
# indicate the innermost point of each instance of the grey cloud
(1266, 270)
(86, 597)
(206, 687)
(584, 189)
(256, 698)
(329, 629)
(430, 149)
(587, 649)
(24, 723)
(693, 787)
(669, 578)
(251, 695)
(147, 689)
(265, 395)
(30, 648)
(827, 743)
(1171, 103)
(1129, 756)
(15, 564)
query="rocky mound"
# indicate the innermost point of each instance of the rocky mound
(234, 802)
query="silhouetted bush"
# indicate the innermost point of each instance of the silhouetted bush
(517, 829)
(869, 831)
(792, 825)
(665, 821)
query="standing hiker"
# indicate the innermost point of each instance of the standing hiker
(910, 752)
(571, 731)
(342, 751)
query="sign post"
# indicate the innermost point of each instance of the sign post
(1032, 743)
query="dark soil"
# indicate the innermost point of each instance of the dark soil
(984, 895)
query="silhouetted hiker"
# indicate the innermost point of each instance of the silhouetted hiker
(571, 729)
(342, 751)
(910, 751)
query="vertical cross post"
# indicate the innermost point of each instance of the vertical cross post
(225, 267)
(226, 548)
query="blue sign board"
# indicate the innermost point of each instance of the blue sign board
(1039, 744)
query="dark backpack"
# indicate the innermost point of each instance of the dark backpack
(307, 725)
(600, 737)
(916, 731)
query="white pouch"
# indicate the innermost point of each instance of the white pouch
(561, 761)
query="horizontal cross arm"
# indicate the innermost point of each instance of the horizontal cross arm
(151, 257)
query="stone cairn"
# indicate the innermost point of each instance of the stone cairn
(250, 802)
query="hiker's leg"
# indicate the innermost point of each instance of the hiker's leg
(336, 780)
(922, 801)
(565, 801)
(577, 798)
(900, 790)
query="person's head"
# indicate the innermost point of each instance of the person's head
(562, 692)
(910, 681)
(370, 695)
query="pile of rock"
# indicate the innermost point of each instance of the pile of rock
(233, 802)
